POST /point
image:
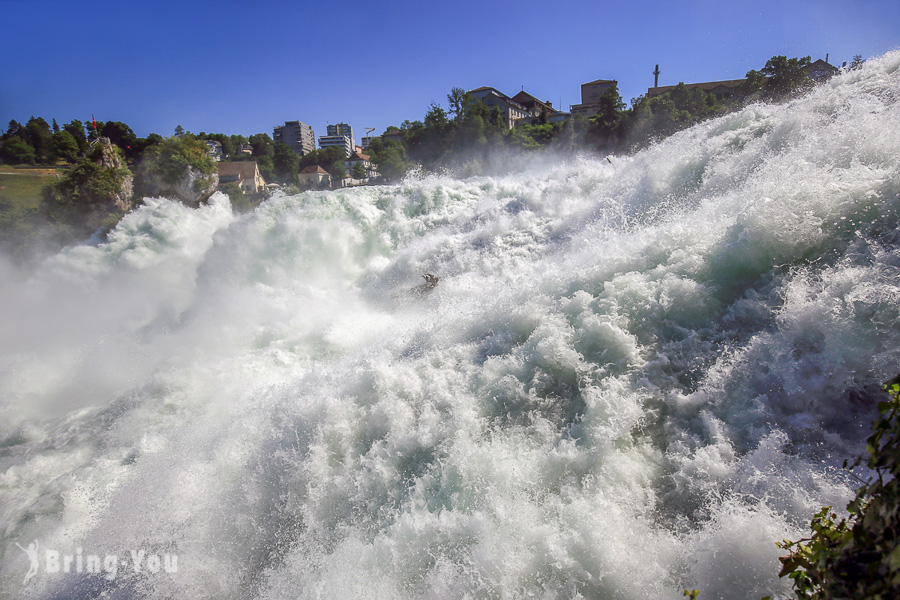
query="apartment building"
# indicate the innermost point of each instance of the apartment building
(299, 136)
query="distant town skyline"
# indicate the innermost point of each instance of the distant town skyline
(238, 68)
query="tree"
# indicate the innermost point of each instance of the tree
(858, 61)
(457, 99)
(122, 136)
(323, 157)
(605, 124)
(262, 145)
(171, 158)
(391, 158)
(96, 180)
(754, 83)
(787, 76)
(16, 151)
(358, 171)
(285, 162)
(39, 136)
(179, 131)
(337, 169)
(93, 127)
(14, 129)
(65, 147)
(76, 129)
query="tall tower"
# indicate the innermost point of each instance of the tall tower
(299, 136)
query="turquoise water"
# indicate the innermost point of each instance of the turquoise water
(634, 377)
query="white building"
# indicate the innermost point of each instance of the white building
(339, 141)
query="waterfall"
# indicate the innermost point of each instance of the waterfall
(633, 376)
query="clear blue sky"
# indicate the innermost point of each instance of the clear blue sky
(244, 67)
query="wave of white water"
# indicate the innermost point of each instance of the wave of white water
(634, 377)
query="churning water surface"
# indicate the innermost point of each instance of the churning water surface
(634, 376)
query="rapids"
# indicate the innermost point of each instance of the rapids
(634, 376)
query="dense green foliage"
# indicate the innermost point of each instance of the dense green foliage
(471, 138)
(358, 171)
(88, 183)
(331, 159)
(171, 158)
(858, 556)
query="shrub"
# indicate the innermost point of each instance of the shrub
(857, 557)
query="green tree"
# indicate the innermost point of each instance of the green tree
(457, 99)
(39, 136)
(604, 126)
(358, 171)
(89, 183)
(171, 158)
(93, 128)
(76, 129)
(391, 158)
(285, 162)
(16, 151)
(65, 147)
(122, 136)
(323, 157)
(787, 76)
(755, 82)
(228, 147)
(262, 145)
(266, 167)
(15, 129)
(179, 131)
(337, 170)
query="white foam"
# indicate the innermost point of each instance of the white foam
(634, 377)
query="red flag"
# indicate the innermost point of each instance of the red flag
(95, 121)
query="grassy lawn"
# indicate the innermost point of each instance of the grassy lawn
(20, 198)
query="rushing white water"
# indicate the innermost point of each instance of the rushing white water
(634, 377)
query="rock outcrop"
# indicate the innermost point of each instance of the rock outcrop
(178, 168)
(119, 200)
(192, 188)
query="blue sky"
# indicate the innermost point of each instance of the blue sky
(244, 67)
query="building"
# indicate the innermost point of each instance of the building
(246, 149)
(511, 110)
(340, 129)
(245, 174)
(367, 141)
(314, 176)
(364, 159)
(533, 105)
(536, 108)
(395, 135)
(821, 70)
(590, 96)
(339, 141)
(722, 90)
(215, 151)
(299, 136)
